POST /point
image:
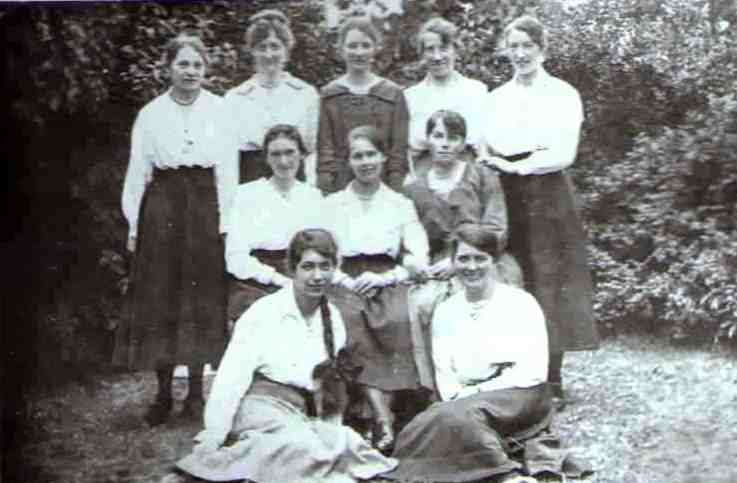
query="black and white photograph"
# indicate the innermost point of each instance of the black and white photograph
(343, 241)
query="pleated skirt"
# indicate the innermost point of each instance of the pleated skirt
(177, 312)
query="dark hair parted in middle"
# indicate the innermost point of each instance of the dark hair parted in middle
(361, 24)
(371, 134)
(284, 131)
(444, 29)
(454, 123)
(265, 22)
(318, 239)
(182, 40)
(477, 236)
(532, 27)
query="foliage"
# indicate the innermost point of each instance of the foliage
(655, 165)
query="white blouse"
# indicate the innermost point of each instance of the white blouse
(254, 109)
(467, 340)
(383, 225)
(546, 114)
(261, 218)
(461, 94)
(274, 339)
(167, 135)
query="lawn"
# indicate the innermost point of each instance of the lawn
(641, 412)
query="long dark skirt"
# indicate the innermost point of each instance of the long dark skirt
(243, 293)
(480, 436)
(178, 299)
(547, 238)
(378, 328)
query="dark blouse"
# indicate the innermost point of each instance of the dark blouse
(478, 198)
(384, 108)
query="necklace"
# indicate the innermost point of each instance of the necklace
(181, 102)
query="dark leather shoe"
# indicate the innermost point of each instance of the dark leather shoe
(383, 436)
(159, 412)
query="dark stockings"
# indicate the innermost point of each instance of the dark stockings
(555, 364)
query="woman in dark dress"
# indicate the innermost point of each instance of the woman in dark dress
(490, 355)
(532, 134)
(176, 195)
(357, 98)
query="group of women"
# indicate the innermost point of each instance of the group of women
(394, 226)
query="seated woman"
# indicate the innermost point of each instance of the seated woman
(264, 216)
(375, 226)
(490, 350)
(451, 193)
(260, 393)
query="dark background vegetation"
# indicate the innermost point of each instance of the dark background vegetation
(656, 172)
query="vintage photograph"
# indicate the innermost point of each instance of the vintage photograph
(333, 241)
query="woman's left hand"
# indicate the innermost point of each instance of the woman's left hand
(501, 164)
(368, 281)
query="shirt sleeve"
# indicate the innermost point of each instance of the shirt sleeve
(227, 167)
(476, 113)
(446, 378)
(414, 240)
(138, 175)
(311, 119)
(238, 244)
(327, 164)
(397, 164)
(234, 376)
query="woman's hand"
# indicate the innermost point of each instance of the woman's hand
(501, 164)
(441, 270)
(280, 280)
(368, 281)
(131, 244)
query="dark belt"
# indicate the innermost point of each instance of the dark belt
(517, 157)
(297, 397)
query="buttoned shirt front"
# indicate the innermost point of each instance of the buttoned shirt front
(271, 338)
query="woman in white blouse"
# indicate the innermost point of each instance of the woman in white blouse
(374, 226)
(532, 131)
(264, 216)
(180, 161)
(442, 88)
(256, 422)
(272, 96)
(489, 346)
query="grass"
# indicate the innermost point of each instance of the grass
(641, 412)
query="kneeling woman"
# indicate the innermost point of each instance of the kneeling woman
(259, 395)
(490, 354)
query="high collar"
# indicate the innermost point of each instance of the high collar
(455, 77)
(541, 79)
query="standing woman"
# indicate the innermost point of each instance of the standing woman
(374, 226)
(532, 133)
(265, 214)
(272, 96)
(360, 97)
(442, 88)
(175, 198)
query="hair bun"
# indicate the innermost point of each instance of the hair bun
(270, 15)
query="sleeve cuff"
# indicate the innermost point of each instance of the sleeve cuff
(214, 436)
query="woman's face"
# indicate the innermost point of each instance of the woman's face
(366, 161)
(526, 56)
(313, 274)
(187, 70)
(358, 50)
(283, 156)
(445, 147)
(439, 57)
(270, 55)
(473, 267)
